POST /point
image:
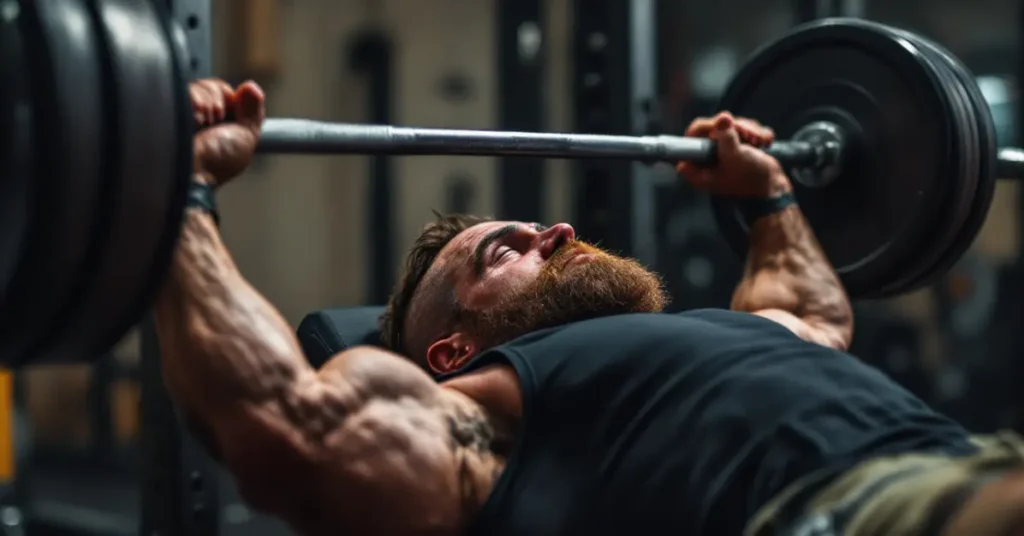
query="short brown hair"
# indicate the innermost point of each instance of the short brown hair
(434, 237)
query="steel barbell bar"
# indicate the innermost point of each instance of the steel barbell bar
(304, 136)
(819, 145)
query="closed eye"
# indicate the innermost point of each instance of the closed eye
(503, 252)
(486, 254)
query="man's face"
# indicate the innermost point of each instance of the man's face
(511, 278)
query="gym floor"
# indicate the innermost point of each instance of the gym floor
(97, 501)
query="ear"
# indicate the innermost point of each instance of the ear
(450, 353)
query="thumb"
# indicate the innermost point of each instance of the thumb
(725, 134)
(249, 104)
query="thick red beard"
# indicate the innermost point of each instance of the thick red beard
(567, 291)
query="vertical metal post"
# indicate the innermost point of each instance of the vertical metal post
(614, 85)
(521, 66)
(599, 68)
(643, 91)
(371, 55)
(179, 480)
(194, 18)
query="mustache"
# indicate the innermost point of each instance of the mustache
(569, 247)
(559, 260)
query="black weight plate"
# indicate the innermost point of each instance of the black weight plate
(140, 77)
(960, 196)
(65, 77)
(986, 152)
(181, 176)
(872, 219)
(963, 182)
(16, 113)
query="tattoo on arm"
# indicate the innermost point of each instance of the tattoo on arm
(471, 433)
(475, 438)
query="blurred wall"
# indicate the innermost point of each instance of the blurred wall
(296, 224)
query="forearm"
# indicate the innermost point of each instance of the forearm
(223, 346)
(787, 270)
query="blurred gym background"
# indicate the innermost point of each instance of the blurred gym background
(314, 232)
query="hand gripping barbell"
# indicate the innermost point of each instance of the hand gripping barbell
(890, 145)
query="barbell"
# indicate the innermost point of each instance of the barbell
(889, 142)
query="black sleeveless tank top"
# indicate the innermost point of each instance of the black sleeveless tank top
(686, 424)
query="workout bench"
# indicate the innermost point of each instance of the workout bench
(325, 333)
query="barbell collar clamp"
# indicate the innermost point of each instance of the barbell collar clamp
(829, 142)
(304, 136)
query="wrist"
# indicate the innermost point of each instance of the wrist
(777, 185)
(201, 198)
(755, 209)
(204, 178)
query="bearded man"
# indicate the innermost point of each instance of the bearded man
(533, 385)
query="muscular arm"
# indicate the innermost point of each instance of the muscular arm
(788, 279)
(364, 445)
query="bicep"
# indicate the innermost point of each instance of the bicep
(822, 333)
(373, 435)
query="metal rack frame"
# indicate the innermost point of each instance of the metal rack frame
(521, 62)
(179, 492)
(615, 92)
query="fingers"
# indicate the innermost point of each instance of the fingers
(702, 127)
(725, 133)
(215, 101)
(209, 100)
(200, 103)
(753, 133)
(750, 131)
(729, 132)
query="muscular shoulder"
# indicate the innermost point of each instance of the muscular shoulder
(380, 448)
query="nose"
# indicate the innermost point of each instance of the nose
(553, 237)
